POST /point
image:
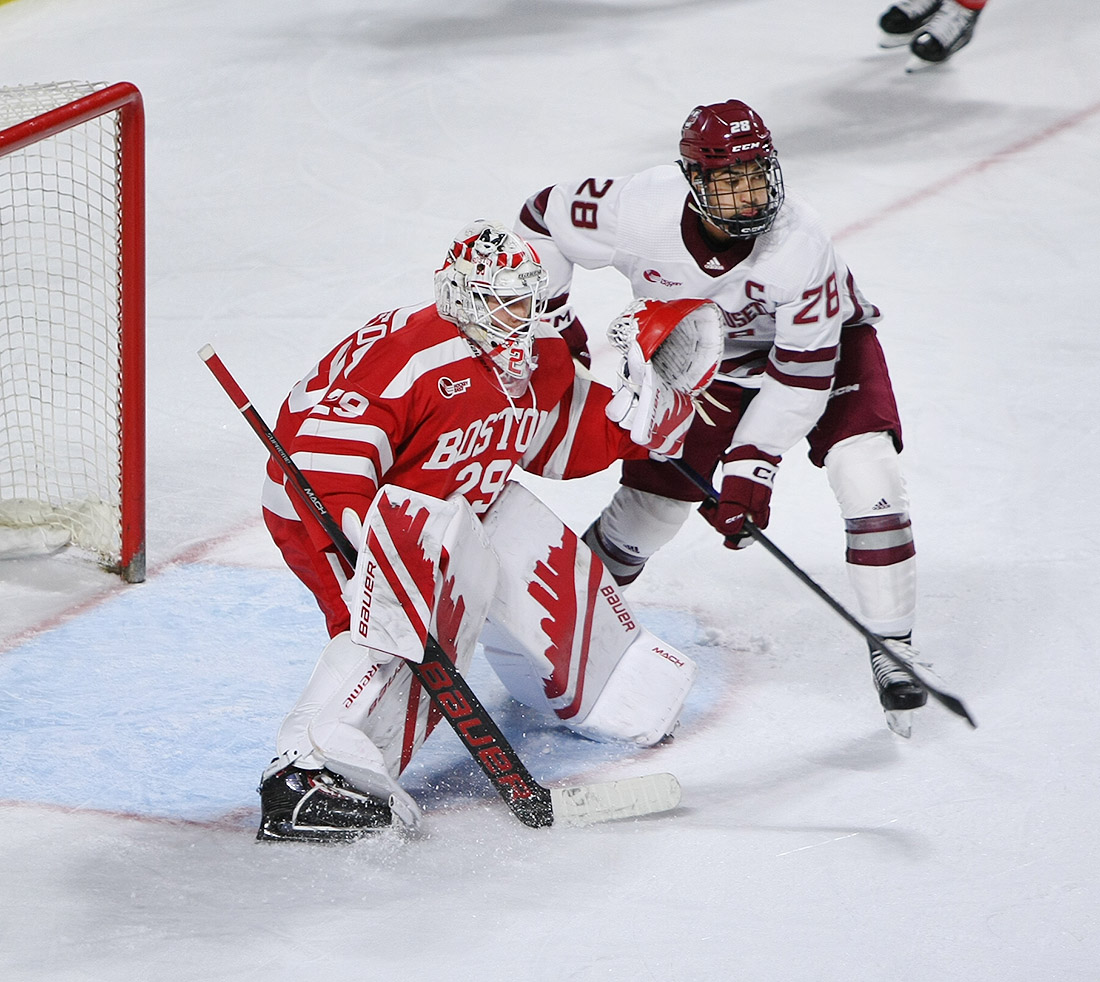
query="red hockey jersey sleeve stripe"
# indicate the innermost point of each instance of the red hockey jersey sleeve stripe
(374, 437)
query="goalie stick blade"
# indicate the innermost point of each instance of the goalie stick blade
(609, 800)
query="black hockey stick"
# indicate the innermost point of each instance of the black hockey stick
(534, 805)
(877, 642)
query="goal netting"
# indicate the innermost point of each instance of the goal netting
(72, 320)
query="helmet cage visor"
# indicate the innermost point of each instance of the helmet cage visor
(504, 307)
(741, 198)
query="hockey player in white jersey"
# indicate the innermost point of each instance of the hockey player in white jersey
(801, 361)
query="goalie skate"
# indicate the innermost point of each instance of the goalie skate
(317, 806)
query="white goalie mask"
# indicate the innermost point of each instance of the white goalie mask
(493, 287)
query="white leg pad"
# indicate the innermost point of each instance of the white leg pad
(424, 566)
(887, 596)
(864, 472)
(348, 711)
(642, 700)
(560, 629)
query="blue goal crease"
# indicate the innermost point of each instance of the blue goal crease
(164, 701)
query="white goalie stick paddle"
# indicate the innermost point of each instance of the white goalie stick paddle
(877, 642)
(534, 805)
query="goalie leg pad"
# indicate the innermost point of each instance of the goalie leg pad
(642, 700)
(865, 474)
(559, 626)
(425, 565)
(352, 720)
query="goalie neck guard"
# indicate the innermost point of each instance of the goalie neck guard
(493, 286)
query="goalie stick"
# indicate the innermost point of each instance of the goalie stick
(532, 803)
(877, 642)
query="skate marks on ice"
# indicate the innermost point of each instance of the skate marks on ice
(162, 702)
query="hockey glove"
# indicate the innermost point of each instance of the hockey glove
(748, 474)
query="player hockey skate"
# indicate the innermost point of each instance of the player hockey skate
(897, 691)
(316, 806)
(951, 28)
(900, 23)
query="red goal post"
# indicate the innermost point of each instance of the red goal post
(72, 318)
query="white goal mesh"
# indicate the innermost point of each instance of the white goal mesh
(60, 315)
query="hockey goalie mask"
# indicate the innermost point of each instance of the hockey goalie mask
(493, 287)
(727, 156)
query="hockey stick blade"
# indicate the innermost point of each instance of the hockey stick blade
(945, 699)
(631, 797)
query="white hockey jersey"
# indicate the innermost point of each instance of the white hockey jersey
(785, 295)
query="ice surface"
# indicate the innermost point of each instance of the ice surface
(306, 166)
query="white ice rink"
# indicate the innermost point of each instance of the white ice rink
(307, 164)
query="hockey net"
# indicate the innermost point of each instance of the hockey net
(72, 283)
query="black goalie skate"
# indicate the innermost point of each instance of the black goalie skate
(317, 806)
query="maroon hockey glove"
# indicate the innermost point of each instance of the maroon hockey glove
(748, 474)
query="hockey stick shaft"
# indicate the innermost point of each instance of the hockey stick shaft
(530, 801)
(877, 642)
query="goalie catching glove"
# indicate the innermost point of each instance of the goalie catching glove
(671, 350)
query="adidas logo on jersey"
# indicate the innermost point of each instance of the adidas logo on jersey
(449, 389)
(881, 505)
(713, 263)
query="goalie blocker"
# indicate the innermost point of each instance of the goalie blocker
(555, 629)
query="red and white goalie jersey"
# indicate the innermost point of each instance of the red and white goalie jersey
(785, 295)
(406, 401)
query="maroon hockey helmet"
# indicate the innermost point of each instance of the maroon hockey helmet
(723, 139)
